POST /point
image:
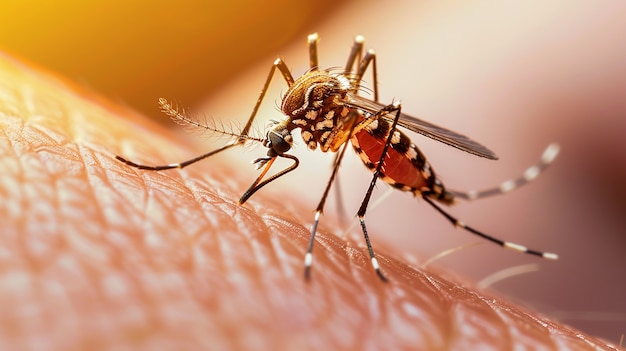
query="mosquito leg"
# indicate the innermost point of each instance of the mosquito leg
(370, 58)
(505, 244)
(308, 257)
(267, 162)
(176, 165)
(530, 174)
(355, 56)
(312, 40)
(393, 108)
(284, 70)
(242, 137)
(341, 208)
(355, 53)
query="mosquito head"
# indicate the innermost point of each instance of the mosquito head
(278, 140)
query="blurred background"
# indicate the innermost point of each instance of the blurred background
(514, 76)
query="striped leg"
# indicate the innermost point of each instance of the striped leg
(530, 174)
(308, 257)
(356, 55)
(505, 244)
(179, 117)
(393, 108)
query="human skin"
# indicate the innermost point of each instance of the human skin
(514, 76)
(98, 255)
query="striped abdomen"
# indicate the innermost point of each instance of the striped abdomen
(404, 167)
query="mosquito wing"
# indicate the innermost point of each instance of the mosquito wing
(428, 129)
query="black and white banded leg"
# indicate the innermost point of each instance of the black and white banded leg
(394, 108)
(179, 117)
(308, 256)
(356, 56)
(509, 245)
(532, 172)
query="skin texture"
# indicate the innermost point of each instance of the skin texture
(512, 75)
(97, 255)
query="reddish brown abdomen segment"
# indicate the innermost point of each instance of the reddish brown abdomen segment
(402, 166)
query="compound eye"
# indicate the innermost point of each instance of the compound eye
(280, 143)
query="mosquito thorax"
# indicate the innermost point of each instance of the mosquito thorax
(315, 104)
(311, 91)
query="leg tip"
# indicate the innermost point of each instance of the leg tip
(382, 277)
(550, 256)
(308, 261)
(550, 153)
(376, 267)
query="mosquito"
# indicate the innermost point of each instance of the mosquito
(327, 107)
